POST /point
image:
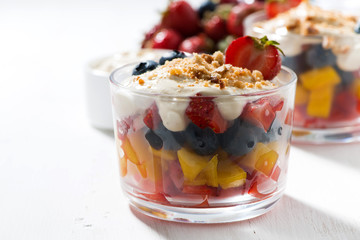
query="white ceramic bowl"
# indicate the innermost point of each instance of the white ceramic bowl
(97, 71)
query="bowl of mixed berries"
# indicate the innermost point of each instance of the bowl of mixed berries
(207, 28)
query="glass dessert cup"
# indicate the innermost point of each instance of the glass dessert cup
(200, 175)
(327, 102)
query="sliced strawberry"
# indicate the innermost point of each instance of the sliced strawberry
(260, 113)
(274, 7)
(203, 112)
(204, 204)
(263, 186)
(276, 174)
(255, 54)
(157, 197)
(152, 117)
(181, 17)
(276, 102)
(202, 190)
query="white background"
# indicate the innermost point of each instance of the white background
(59, 176)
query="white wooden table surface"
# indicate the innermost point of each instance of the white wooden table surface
(59, 176)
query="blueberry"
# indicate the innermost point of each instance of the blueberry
(240, 138)
(206, 6)
(144, 67)
(153, 139)
(318, 57)
(296, 63)
(170, 56)
(202, 141)
(346, 77)
(171, 140)
(357, 27)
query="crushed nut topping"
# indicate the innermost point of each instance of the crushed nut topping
(210, 70)
(141, 81)
(308, 20)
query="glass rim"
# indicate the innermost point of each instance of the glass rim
(250, 20)
(293, 79)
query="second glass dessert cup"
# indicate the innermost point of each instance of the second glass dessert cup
(327, 102)
(235, 172)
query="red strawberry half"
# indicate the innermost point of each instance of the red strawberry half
(203, 112)
(274, 7)
(255, 54)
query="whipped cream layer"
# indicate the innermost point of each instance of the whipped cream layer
(203, 74)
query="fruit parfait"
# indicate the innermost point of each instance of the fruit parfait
(205, 138)
(323, 48)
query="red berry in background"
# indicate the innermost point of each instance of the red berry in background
(274, 7)
(255, 54)
(238, 14)
(149, 35)
(215, 28)
(166, 39)
(198, 44)
(344, 107)
(181, 17)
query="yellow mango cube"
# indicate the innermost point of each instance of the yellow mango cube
(211, 172)
(251, 158)
(163, 154)
(319, 78)
(266, 162)
(262, 158)
(301, 96)
(191, 163)
(320, 102)
(198, 181)
(230, 174)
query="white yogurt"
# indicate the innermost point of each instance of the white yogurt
(172, 109)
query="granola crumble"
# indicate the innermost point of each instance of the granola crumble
(210, 70)
(309, 20)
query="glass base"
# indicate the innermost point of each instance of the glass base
(204, 215)
(326, 136)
